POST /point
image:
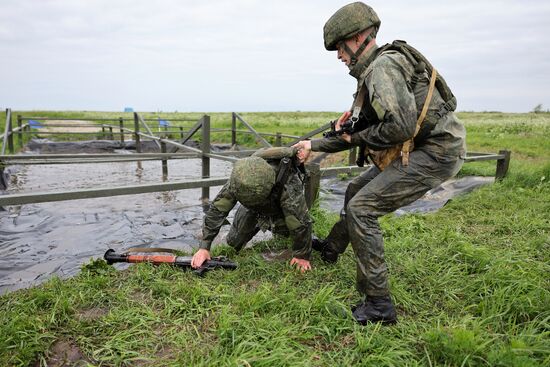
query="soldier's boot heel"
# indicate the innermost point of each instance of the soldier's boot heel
(375, 309)
(327, 253)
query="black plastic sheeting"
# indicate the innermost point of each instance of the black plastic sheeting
(38, 241)
(333, 190)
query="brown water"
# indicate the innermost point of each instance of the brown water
(38, 241)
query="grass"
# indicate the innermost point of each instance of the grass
(470, 283)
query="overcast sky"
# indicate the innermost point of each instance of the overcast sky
(257, 55)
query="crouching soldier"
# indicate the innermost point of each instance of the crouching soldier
(403, 112)
(269, 187)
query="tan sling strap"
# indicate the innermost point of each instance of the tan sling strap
(405, 150)
(358, 103)
(382, 158)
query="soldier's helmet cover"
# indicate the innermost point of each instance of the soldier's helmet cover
(252, 180)
(347, 22)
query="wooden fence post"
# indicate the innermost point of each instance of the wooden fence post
(164, 161)
(233, 130)
(205, 147)
(136, 133)
(278, 141)
(121, 124)
(503, 164)
(20, 131)
(313, 182)
(352, 158)
(10, 135)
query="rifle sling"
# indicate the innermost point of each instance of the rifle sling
(355, 111)
(405, 150)
(358, 103)
(283, 172)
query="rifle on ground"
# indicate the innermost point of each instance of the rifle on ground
(216, 262)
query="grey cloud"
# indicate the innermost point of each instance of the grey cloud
(253, 55)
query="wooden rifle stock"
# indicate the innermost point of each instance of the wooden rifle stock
(182, 261)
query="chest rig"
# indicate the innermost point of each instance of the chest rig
(363, 111)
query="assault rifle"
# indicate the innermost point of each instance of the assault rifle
(349, 126)
(216, 262)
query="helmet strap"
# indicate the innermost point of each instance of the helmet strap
(355, 55)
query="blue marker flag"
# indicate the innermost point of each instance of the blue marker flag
(164, 122)
(35, 124)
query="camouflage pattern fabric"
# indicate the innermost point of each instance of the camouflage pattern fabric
(290, 217)
(251, 180)
(374, 194)
(275, 153)
(392, 108)
(347, 22)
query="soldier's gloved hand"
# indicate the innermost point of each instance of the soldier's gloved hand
(301, 264)
(199, 258)
(346, 115)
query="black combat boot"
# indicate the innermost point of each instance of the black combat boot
(327, 253)
(375, 309)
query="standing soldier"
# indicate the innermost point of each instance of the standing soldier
(269, 187)
(402, 119)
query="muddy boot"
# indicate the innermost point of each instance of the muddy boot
(375, 309)
(318, 244)
(327, 253)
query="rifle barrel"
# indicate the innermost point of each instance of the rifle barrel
(111, 257)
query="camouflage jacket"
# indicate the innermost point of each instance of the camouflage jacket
(393, 108)
(291, 207)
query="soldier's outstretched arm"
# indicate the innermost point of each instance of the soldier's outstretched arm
(297, 219)
(215, 216)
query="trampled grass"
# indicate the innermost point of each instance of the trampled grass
(470, 283)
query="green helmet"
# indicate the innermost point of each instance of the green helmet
(252, 180)
(347, 22)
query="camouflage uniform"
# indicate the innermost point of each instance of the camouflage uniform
(393, 108)
(287, 216)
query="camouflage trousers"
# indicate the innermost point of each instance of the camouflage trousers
(374, 194)
(247, 223)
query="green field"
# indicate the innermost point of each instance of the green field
(471, 284)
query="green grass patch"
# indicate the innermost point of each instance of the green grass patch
(470, 284)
